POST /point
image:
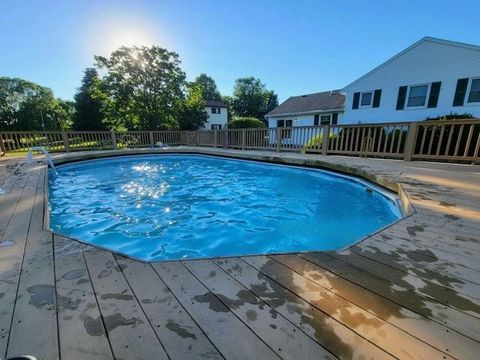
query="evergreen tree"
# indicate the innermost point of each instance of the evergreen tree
(88, 108)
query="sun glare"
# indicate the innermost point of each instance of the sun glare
(116, 31)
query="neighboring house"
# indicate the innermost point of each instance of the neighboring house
(217, 115)
(324, 108)
(431, 78)
(308, 110)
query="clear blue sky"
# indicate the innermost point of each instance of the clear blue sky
(295, 47)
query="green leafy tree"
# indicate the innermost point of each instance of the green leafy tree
(228, 100)
(62, 116)
(25, 105)
(251, 98)
(208, 86)
(142, 88)
(88, 108)
(193, 115)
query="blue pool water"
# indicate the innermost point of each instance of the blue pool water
(168, 207)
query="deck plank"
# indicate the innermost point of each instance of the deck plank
(230, 335)
(11, 257)
(82, 335)
(419, 326)
(280, 334)
(458, 302)
(129, 331)
(369, 326)
(464, 324)
(333, 335)
(35, 307)
(180, 335)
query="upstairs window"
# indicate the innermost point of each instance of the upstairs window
(417, 96)
(474, 93)
(216, 110)
(366, 99)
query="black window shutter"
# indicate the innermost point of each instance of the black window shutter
(315, 119)
(334, 118)
(434, 93)
(460, 92)
(402, 95)
(356, 100)
(376, 98)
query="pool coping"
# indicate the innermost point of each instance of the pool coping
(406, 207)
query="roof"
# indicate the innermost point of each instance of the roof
(419, 42)
(327, 100)
(214, 103)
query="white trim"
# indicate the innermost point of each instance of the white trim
(469, 89)
(427, 95)
(371, 99)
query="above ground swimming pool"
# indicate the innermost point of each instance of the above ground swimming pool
(172, 207)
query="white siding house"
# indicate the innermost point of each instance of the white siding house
(217, 115)
(430, 78)
(324, 108)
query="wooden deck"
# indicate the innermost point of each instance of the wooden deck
(411, 291)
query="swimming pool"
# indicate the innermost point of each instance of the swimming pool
(170, 207)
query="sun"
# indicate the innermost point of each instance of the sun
(110, 33)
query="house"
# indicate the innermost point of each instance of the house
(431, 78)
(323, 108)
(308, 110)
(217, 115)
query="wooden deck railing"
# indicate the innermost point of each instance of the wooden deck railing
(457, 140)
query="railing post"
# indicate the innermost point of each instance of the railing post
(279, 138)
(226, 142)
(243, 139)
(2, 145)
(66, 142)
(325, 138)
(411, 141)
(198, 138)
(215, 137)
(114, 139)
(150, 135)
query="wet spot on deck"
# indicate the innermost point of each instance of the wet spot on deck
(179, 330)
(93, 326)
(115, 320)
(41, 295)
(74, 274)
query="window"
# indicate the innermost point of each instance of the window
(285, 133)
(216, 127)
(216, 110)
(316, 120)
(474, 93)
(366, 99)
(325, 119)
(417, 96)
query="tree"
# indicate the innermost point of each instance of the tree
(25, 105)
(193, 115)
(88, 108)
(252, 99)
(142, 88)
(208, 86)
(245, 123)
(62, 116)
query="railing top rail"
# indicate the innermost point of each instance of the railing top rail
(449, 122)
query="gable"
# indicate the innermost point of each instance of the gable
(424, 61)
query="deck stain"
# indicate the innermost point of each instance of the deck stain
(74, 274)
(251, 315)
(94, 327)
(213, 303)
(179, 330)
(41, 295)
(115, 320)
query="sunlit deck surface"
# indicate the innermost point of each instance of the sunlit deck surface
(411, 291)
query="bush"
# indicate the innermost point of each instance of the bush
(245, 123)
(451, 116)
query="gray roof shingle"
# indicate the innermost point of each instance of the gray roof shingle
(215, 103)
(327, 100)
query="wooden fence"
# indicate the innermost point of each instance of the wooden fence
(457, 141)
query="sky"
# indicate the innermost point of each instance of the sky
(294, 47)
